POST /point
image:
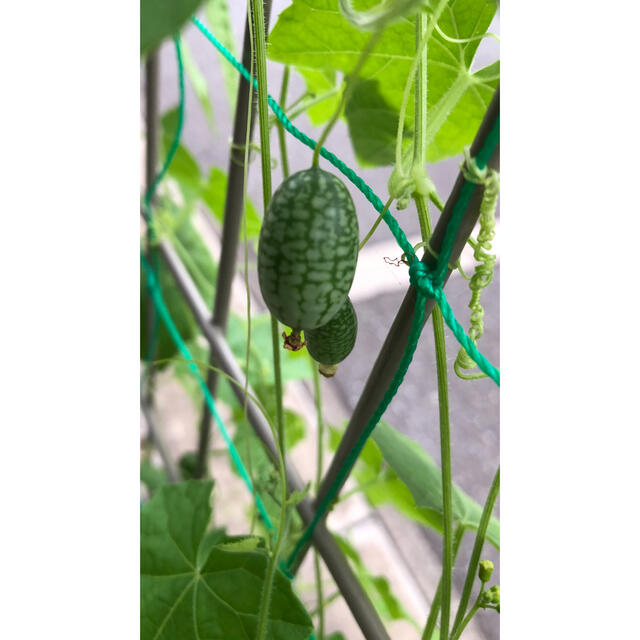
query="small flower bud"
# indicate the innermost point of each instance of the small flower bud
(494, 594)
(485, 569)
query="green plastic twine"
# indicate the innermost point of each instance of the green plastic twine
(165, 316)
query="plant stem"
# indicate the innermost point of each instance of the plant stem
(422, 33)
(410, 78)
(457, 633)
(375, 224)
(477, 550)
(320, 442)
(334, 596)
(445, 455)
(435, 605)
(299, 107)
(245, 237)
(420, 127)
(257, 11)
(281, 137)
(348, 90)
(265, 155)
(445, 438)
(275, 335)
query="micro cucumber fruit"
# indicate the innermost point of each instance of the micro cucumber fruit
(307, 251)
(331, 343)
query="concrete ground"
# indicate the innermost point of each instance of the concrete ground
(406, 553)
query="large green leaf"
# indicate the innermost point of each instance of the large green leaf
(162, 18)
(417, 470)
(373, 125)
(195, 587)
(456, 98)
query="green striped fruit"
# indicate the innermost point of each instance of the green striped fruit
(332, 342)
(308, 249)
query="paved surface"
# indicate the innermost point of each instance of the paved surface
(414, 411)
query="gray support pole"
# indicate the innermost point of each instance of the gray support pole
(393, 348)
(151, 116)
(151, 158)
(233, 207)
(338, 565)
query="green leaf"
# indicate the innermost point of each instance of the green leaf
(336, 635)
(377, 587)
(319, 83)
(184, 168)
(457, 98)
(182, 317)
(373, 125)
(198, 82)
(214, 193)
(219, 19)
(162, 18)
(265, 480)
(417, 470)
(151, 476)
(391, 490)
(189, 594)
(188, 243)
(188, 464)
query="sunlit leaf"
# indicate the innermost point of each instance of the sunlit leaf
(321, 83)
(456, 97)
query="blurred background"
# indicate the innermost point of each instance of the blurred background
(407, 554)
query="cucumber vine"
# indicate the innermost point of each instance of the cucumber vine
(408, 183)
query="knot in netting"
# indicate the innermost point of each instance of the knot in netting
(421, 278)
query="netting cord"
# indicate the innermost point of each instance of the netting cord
(153, 286)
(428, 283)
